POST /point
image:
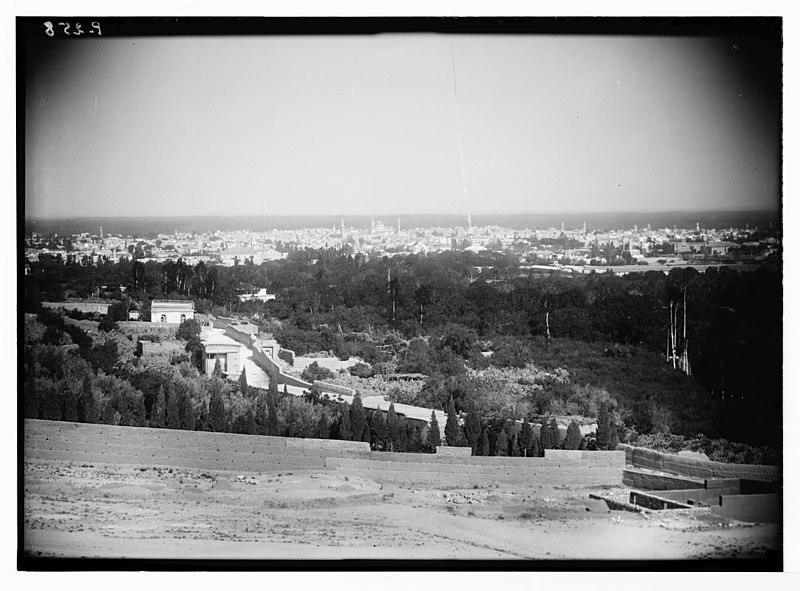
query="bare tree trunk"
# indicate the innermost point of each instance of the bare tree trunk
(547, 323)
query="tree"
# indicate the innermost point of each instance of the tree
(316, 372)
(107, 324)
(187, 329)
(393, 427)
(217, 369)
(451, 429)
(174, 410)
(434, 437)
(555, 435)
(573, 437)
(606, 429)
(70, 399)
(118, 311)
(526, 437)
(345, 432)
(473, 426)
(194, 347)
(216, 412)
(366, 435)
(158, 413)
(262, 413)
(357, 418)
(380, 429)
(545, 436)
(244, 388)
(323, 429)
(502, 443)
(273, 425)
(483, 449)
(187, 412)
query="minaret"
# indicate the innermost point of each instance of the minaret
(562, 226)
(372, 225)
(101, 232)
(584, 228)
(398, 225)
(342, 227)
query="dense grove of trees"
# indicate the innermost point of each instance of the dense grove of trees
(436, 315)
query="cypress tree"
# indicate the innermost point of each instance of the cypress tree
(203, 421)
(243, 386)
(345, 432)
(158, 414)
(434, 436)
(187, 412)
(273, 425)
(555, 435)
(392, 427)
(605, 427)
(173, 408)
(451, 428)
(545, 436)
(357, 417)
(483, 449)
(217, 369)
(261, 415)
(366, 434)
(323, 430)
(70, 408)
(573, 438)
(472, 426)
(380, 428)
(526, 437)
(216, 412)
(536, 449)
(250, 422)
(502, 443)
(402, 434)
(86, 402)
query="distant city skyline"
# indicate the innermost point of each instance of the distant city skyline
(360, 125)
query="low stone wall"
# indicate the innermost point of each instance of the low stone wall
(87, 444)
(85, 307)
(640, 457)
(453, 452)
(751, 508)
(334, 388)
(649, 481)
(266, 363)
(457, 471)
(655, 502)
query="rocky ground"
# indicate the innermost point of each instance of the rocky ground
(106, 511)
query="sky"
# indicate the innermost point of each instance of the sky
(344, 125)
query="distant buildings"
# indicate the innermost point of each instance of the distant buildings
(260, 296)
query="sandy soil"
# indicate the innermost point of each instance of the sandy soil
(123, 511)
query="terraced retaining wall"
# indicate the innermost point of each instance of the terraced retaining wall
(574, 469)
(82, 443)
(640, 457)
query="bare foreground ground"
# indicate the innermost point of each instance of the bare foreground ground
(105, 511)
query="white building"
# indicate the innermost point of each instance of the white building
(171, 311)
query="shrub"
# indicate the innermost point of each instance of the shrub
(316, 372)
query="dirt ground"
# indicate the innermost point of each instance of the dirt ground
(110, 511)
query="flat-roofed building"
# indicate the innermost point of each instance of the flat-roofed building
(171, 311)
(226, 353)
